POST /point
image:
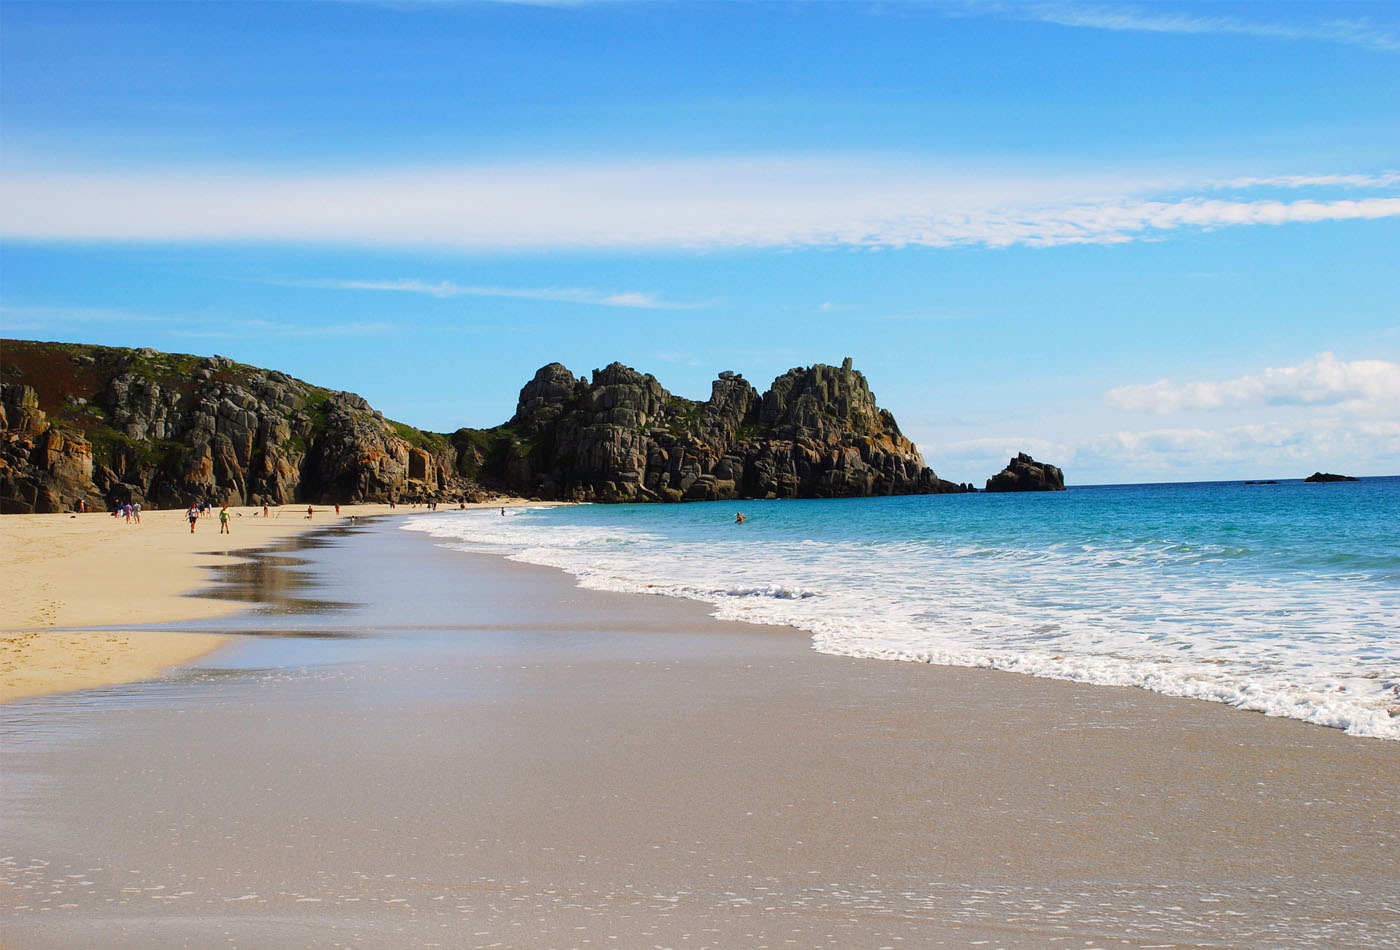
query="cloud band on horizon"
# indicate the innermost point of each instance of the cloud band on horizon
(1369, 385)
(697, 204)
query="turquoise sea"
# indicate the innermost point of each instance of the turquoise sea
(1283, 599)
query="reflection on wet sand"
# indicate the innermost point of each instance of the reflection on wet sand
(275, 581)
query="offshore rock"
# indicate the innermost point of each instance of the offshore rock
(1024, 473)
(1329, 477)
(164, 430)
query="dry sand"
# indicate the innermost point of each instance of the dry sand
(64, 571)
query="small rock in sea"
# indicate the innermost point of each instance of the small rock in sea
(1024, 473)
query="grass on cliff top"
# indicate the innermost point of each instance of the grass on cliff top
(483, 452)
(682, 415)
(427, 441)
(62, 373)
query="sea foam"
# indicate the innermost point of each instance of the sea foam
(1229, 619)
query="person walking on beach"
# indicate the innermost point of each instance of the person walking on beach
(309, 512)
(193, 515)
(264, 509)
(136, 512)
(223, 520)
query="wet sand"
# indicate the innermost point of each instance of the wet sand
(416, 747)
(63, 572)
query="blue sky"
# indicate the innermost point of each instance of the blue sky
(1143, 241)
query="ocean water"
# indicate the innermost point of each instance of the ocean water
(1283, 599)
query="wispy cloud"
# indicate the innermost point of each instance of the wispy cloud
(445, 289)
(47, 318)
(50, 319)
(680, 359)
(1160, 19)
(1386, 179)
(1371, 386)
(754, 202)
(272, 328)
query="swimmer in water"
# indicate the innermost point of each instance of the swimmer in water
(739, 517)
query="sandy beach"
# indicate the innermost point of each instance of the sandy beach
(410, 746)
(65, 571)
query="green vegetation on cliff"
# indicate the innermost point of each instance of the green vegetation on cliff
(103, 424)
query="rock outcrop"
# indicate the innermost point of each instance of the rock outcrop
(816, 433)
(165, 429)
(1329, 477)
(42, 468)
(1024, 473)
(99, 425)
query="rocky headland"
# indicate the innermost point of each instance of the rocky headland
(619, 436)
(94, 426)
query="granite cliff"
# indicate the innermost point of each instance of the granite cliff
(101, 425)
(815, 433)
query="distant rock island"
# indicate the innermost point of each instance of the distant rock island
(97, 425)
(1024, 473)
(1329, 477)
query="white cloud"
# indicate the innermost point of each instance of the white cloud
(1284, 422)
(1381, 180)
(444, 289)
(635, 299)
(1276, 449)
(756, 202)
(1153, 20)
(1366, 386)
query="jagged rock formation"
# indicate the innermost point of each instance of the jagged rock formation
(1329, 477)
(166, 429)
(815, 433)
(41, 467)
(1024, 473)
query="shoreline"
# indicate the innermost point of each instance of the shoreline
(781, 597)
(71, 578)
(478, 751)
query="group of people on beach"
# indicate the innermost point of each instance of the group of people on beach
(199, 509)
(131, 511)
